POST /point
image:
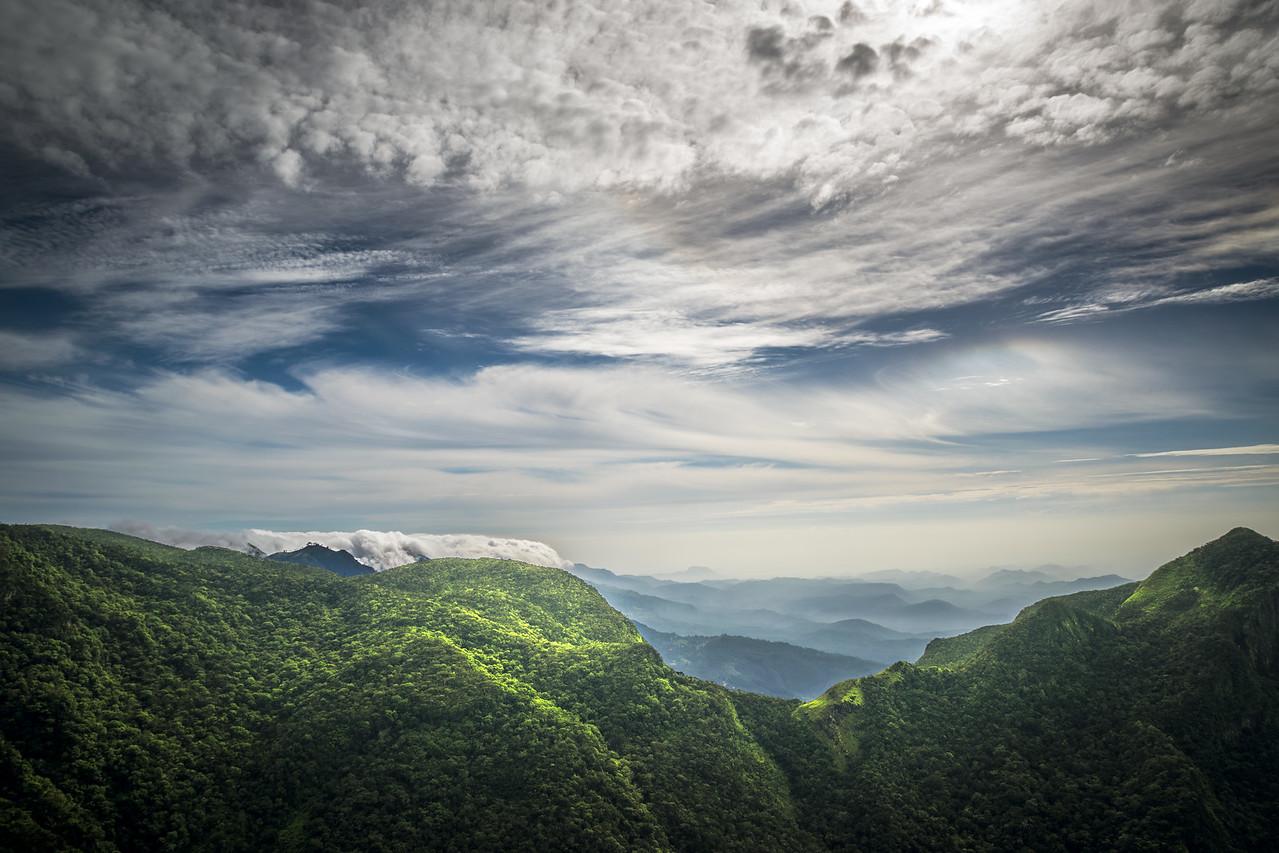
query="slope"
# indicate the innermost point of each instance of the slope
(1142, 717)
(154, 698)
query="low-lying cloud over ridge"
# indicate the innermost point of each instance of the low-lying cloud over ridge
(381, 549)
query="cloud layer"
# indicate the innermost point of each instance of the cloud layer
(648, 94)
(555, 453)
(381, 549)
(710, 187)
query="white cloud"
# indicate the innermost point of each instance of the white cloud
(617, 93)
(1247, 450)
(381, 549)
(535, 451)
(1129, 299)
(21, 351)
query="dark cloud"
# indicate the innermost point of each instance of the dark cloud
(901, 55)
(765, 44)
(861, 61)
(849, 13)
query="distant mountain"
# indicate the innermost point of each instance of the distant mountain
(871, 639)
(761, 666)
(314, 554)
(692, 573)
(912, 580)
(1013, 577)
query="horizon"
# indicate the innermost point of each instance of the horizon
(383, 550)
(778, 288)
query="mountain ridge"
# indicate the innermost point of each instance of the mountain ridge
(338, 561)
(153, 698)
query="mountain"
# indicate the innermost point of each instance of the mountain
(878, 642)
(1014, 577)
(822, 613)
(1140, 717)
(153, 698)
(314, 554)
(692, 573)
(785, 608)
(760, 666)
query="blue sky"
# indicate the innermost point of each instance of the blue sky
(777, 288)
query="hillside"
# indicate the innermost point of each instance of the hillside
(154, 698)
(159, 699)
(1141, 717)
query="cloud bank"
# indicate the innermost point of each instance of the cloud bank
(651, 94)
(381, 549)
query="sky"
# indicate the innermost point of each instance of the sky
(776, 288)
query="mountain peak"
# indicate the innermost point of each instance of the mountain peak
(1213, 574)
(314, 554)
(1240, 534)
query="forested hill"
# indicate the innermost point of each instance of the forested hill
(1140, 717)
(153, 698)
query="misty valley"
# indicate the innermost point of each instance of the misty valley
(794, 637)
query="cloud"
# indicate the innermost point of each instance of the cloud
(537, 450)
(1248, 450)
(22, 351)
(381, 549)
(1133, 299)
(708, 187)
(861, 61)
(615, 94)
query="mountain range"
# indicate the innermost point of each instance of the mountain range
(760, 666)
(153, 698)
(809, 619)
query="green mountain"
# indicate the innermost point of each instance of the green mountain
(314, 554)
(1140, 717)
(153, 698)
(760, 666)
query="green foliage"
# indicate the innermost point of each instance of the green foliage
(1144, 717)
(153, 698)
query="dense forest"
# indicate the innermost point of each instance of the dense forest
(153, 698)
